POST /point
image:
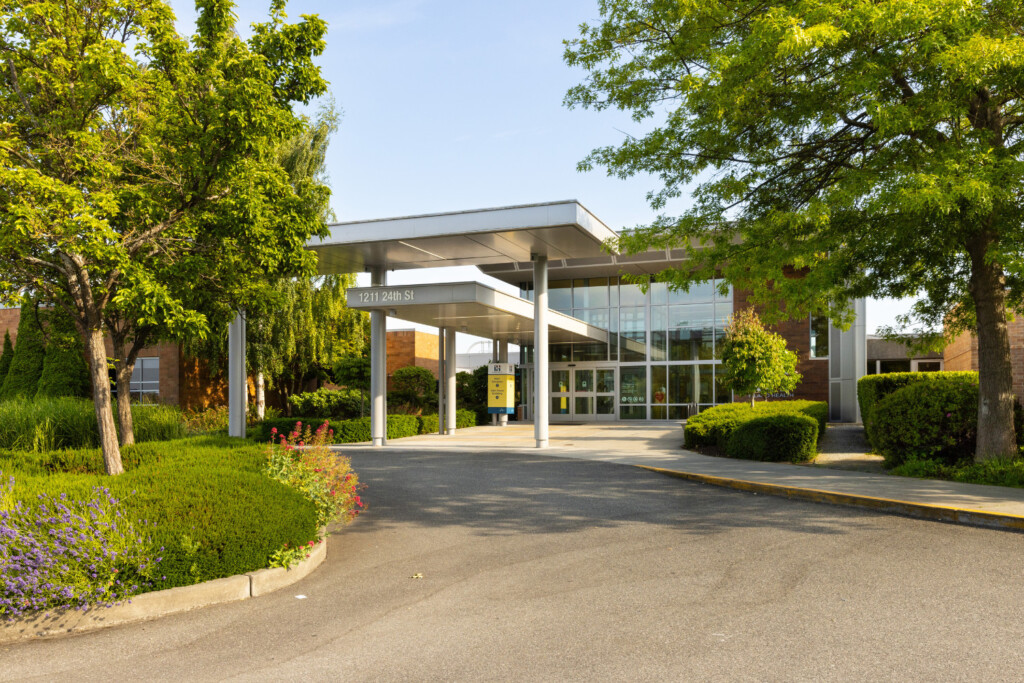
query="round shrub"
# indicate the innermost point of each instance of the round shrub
(781, 437)
(927, 421)
(873, 388)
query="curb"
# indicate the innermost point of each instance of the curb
(163, 603)
(936, 513)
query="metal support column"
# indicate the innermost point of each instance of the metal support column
(442, 383)
(378, 366)
(503, 358)
(541, 395)
(449, 380)
(238, 389)
(494, 359)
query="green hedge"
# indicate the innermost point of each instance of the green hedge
(927, 421)
(338, 404)
(779, 437)
(873, 388)
(57, 423)
(204, 500)
(714, 427)
(358, 430)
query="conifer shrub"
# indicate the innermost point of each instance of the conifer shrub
(27, 363)
(65, 372)
(6, 357)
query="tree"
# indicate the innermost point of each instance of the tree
(756, 360)
(6, 357)
(139, 185)
(65, 372)
(27, 363)
(836, 150)
(353, 371)
(414, 386)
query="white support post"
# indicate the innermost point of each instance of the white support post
(442, 381)
(238, 390)
(494, 359)
(449, 380)
(503, 358)
(541, 395)
(378, 366)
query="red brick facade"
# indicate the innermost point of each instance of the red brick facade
(412, 348)
(962, 354)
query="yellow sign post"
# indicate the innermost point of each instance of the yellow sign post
(501, 388)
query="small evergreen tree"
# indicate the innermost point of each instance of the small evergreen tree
(414, 386)
(756, 359)
(27, 364)
(6, 357)
(65, 372)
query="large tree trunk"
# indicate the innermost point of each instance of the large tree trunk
(97, 352)
(261, 396)
(996, 438)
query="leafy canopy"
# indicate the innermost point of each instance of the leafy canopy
(874, 146)
(756, 360)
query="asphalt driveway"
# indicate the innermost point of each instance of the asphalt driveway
(539, 568)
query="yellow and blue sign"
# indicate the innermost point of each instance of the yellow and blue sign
(501, 388)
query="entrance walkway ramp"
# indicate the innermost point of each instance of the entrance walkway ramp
(658, 447)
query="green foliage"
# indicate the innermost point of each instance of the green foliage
(6, 357)
(789, 437)
(27, 364)
(358, 430)
(927, 421)
(205, 502)
(65, 372)
(869, 148)
(54, 423)
(428, 424)
(471, 390)
(415, 387)
(873, 388)
(712, 428)
(353, 371)
(756, 360)
(339, 404)
(995, 472)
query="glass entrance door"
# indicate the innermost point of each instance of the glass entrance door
(583, 394)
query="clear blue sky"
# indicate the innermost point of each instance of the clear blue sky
(457, 104)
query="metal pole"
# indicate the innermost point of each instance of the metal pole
(378, 365)
(541, 395)
(238, 390)
(494, 359)
(449, 379)
(503, 358)
(441, 378)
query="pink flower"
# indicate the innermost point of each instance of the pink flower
(274, 430)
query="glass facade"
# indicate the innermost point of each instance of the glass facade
(662, 348)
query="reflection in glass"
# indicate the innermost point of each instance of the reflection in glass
(605, 405)
(819, 336)
(659, 389)
(722, 313)
(633, 335)
(590, 292)
(681, 385)
(559, 381)
(705, 382)
(633, 385)
(659, 293)
(659, 321)
(606, 381)
(701, 292)
(658, 412)
(584, 380)
(633, 413)
(691, 331)
(584, 405)
(559, 353)
(560, 295)
(631, 295)
(722, 394)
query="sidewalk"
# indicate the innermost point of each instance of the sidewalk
(659, 448)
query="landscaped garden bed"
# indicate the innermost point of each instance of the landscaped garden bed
(771, 430)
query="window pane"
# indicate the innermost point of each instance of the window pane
(719, 296)
(819, 336)
(681, 386)
(659, 293)
(590, 292)
(630, 295)
(559, 381)
(606, 381)
(659, 321)
(151, 370)
(605, 405)
(705, 382)
(633, 337)
(560, 353)
(560, 295)
(559, 405)
(659, 390)
(584, 405)
(691, 331)
(722, 394)
(633, 385)
(701, 292)
(633, 413)
(584, 380)
(722, 313)
(589, 351)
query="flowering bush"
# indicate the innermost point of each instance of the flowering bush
(60, 552)
(286, 557)
(303, 460)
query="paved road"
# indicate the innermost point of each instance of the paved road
(544, 569)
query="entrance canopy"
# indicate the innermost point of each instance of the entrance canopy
(472, 308)
(515, 234)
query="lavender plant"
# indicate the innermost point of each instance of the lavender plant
(64, 553)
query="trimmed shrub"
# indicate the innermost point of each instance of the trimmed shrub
(338, 404)
(927, 421)
(782, 437)
(55, 423)
(414, 386)
(6, 357)
(714, 426)
(205, 502)
(465, 418)
(429, 424)
(358, 430)
(65, 372)
(27, 364)
(873, 388)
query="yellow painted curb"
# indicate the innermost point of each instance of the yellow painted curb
(938, 513)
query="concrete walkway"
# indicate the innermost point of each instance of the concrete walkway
(659, 447)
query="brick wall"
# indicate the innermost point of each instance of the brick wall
(962, 354)
(426, 353)
(797, 333)
(9, 318)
